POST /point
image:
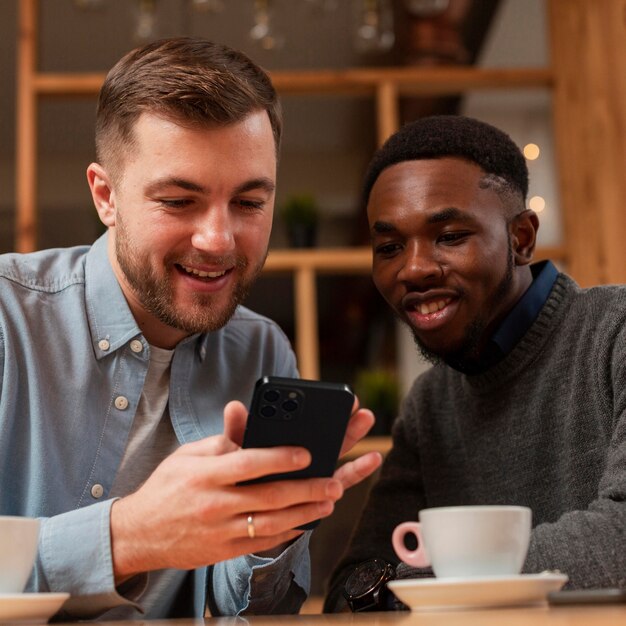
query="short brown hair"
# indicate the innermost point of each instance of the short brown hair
(193, 81)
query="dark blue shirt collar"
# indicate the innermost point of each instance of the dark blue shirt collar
(523, 314)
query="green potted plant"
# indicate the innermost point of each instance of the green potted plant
(378, 390)
(300, 215)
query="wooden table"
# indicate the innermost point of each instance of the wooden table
(597, 615)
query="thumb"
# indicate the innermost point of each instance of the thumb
(235, 418)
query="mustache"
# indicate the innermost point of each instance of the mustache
(237, 262)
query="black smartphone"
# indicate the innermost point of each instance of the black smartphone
(587, 596)
(297, 412)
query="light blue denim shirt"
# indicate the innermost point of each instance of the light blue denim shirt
(70, 385)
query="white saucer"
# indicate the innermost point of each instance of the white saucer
(30, 607)
(463, 593)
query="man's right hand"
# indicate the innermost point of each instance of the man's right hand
(191, 512)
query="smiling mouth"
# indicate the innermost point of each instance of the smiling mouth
(201, 274)
(424, 308)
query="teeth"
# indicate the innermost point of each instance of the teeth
(200, 274)
(432, 307)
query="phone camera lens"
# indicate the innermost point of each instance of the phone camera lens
(268, 411)
(290, 405)
(271, 395)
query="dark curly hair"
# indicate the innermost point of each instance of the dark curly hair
(455, 136)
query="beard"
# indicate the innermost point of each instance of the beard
(156, 293)
(472, 344)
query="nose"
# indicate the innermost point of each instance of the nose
(214, 231)
(420, 266)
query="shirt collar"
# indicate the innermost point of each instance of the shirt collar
(519, 319)
(110, 320)
(524, 313)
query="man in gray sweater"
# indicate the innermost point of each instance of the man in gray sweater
(526, 401)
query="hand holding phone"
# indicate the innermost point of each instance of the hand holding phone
(296, 412)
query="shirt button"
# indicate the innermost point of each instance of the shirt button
(136, 345)
(104, 344)
(97, 491)
(121, 403)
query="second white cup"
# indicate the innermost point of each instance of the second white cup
(467, 541)
(18, 548)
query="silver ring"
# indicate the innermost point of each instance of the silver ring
(251, 528)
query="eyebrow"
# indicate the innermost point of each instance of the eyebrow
(383, 227)
(172, 181)
(445, 215)
(263, 183)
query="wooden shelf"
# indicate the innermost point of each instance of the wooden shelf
(330, 260)
(380, 444)
(356, 81)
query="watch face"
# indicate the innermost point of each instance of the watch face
(364, 577)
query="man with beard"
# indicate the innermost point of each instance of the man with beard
(118, 361)
(525, 403)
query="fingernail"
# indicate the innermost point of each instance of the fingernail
(301, 458)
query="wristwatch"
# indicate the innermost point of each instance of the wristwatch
(366, 587)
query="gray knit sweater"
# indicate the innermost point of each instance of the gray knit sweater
(545, 428)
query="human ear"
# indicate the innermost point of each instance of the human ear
(102, 193)
(524, 227)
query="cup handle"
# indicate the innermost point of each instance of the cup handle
(416, 558)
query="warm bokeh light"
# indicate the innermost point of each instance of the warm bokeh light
(531, 151)
(537, 204)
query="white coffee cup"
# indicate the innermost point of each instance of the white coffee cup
(467, 541)
(18, 548)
